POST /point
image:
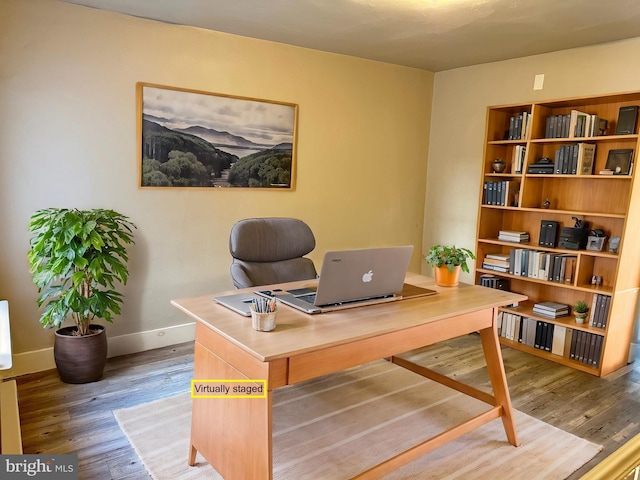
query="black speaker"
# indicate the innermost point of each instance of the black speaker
(573, 238)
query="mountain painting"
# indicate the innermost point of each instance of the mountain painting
(198, 139)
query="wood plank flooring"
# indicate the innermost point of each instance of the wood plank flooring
(62, 418)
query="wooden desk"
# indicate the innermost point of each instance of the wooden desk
(234, 435)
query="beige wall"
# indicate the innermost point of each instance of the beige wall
(67, 139)
(460, 99)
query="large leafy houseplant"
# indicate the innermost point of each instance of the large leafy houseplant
(450, 257)
(76, 258)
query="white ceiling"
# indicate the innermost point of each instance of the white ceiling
(433, 35)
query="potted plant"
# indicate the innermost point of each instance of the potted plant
(447, 263)
(580, 310)
(76, 258)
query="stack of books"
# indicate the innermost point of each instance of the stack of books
(496, 261)
(513, 236)
(551, 309)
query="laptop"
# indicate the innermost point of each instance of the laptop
(238, 302)
(353, 278)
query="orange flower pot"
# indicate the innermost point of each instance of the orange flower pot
(445, 278)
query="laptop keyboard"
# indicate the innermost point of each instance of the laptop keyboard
(310, 298)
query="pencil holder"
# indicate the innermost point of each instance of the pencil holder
(263, 322)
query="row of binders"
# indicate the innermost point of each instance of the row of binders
(524, 262)
(599, 312)
(519, 126)
(559, 340)
(501, 193)
(575, 124)
(552, 267)
(576, 159)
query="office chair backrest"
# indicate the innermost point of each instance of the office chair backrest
(270, 250)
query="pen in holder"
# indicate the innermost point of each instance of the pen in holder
(263, 314)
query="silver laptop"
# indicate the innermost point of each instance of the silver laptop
(352, 278)
(239, 302)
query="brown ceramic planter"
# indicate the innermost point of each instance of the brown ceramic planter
(80, 359)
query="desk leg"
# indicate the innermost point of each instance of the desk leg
(193, 451)
(495, 366)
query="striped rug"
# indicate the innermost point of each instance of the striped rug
(336, 426)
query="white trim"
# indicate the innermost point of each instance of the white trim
(41, 360)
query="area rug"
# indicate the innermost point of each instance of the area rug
(336, 426)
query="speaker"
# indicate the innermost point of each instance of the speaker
(573, 238)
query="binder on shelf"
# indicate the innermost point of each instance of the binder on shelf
(548, 233)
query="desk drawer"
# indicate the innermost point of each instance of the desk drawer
(314, 364)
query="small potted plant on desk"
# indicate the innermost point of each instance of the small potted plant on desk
(580, 310)
(447, 263)
(76, 257)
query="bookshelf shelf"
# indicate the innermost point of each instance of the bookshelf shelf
(521, 135)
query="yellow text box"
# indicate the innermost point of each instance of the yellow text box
(229, 388)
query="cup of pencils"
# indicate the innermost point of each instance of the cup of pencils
(263, 314)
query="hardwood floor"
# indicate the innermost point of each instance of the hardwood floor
(62, 418)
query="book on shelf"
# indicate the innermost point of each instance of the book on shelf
(574, 159)
(495, 268)
(558, 126)
(558, 340)
(586, 347)
(519, 126)
(552, 306)
(551, 309)
(496, 264)
(513, 236)
(577, 123)
(498, 256)
(548, 233)
(551, 267)
(497, 261)
(544, 335)
(586, 156)
(518, 158)
(500, 192)
(545, 313)
(599, 310)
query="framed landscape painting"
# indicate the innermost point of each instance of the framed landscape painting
(189, 138)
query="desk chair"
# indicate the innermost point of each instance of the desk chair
(270, 250)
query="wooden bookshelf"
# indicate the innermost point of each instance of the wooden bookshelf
(607, 202)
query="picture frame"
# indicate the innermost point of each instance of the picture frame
(595, 243)
(619, 161)
(196, 139)
(614, 244)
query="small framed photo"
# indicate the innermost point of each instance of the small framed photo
(614, 244)
(619, 161)
(595, 243)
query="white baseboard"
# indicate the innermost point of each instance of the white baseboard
(41, 360)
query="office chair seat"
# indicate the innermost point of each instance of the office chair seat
(270, 250)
